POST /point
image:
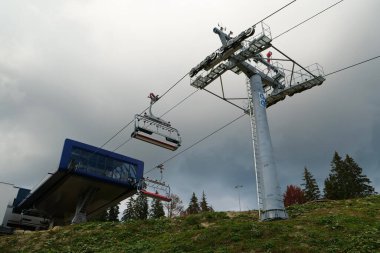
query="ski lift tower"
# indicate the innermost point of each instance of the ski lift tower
(267, 84)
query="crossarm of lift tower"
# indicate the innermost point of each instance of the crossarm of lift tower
(249, 45)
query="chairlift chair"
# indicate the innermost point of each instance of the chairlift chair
(158, 186)
(154, 130)
(155, 195)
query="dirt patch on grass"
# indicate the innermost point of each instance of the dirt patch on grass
(206, 224)
(232, 214)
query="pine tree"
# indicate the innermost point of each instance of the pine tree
(293, 195)
(333, 185)
(346, 180)
(193, 205)
(359, 183)
(156, 209)
(311, 189)
(203, 204)
(129, 212)
(113, 213)
(141, 207)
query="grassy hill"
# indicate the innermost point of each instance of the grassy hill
(331, 226)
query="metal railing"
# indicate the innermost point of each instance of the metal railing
(300, 75)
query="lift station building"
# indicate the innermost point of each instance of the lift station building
(88, 180)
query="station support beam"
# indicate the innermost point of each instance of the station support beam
(80, 215)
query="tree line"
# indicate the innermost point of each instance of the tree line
(344, 181)
(138, 208)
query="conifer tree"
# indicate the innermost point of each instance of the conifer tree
(311, 189)
(193, 205)
(141, 207)
(333, 184)
(156, 209)
(203, 204)
(113, 213)
(129, 212)
(360, 184)
(346, 180)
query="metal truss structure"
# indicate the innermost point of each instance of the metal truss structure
(269, 82)
(278, 81)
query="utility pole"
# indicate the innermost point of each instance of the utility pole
(238, 188)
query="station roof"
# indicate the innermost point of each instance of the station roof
(83, 168)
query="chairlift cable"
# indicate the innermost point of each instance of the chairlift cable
(180, 102)
(279, 36)
(166, 92)
(170, 109)
(353, 65)
(287, 32)
(125, 142)
(283, 7)
(175, 84)
(118, 132)
(130, 122)
(334, 72)
(197, 142)
(307, 19)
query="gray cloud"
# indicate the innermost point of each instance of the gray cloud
(82, 69)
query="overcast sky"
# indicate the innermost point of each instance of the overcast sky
(81, 70)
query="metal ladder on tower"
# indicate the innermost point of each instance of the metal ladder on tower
(259, 187)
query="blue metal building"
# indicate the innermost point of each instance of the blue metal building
(87, 181)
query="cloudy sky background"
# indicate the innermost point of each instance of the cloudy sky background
(82, 69)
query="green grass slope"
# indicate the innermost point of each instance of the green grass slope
(332, 226)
